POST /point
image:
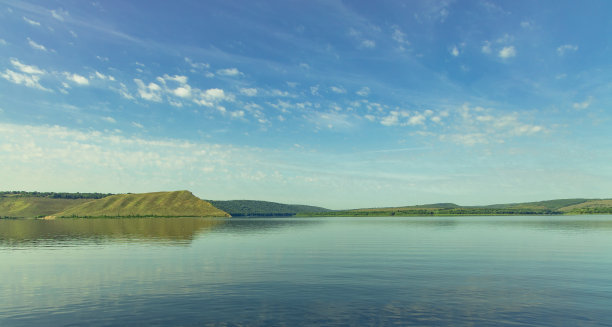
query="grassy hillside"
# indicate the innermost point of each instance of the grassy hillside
(28, 207)
(264, 208)
(589, 207)
(161, 204)
(549, 205)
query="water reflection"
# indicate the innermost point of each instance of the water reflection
(173, 231)
(307, 271)
(22, 232)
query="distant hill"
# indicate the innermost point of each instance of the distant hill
(185, 204)
(589, 207)
(53, 195)
(550, 204)
(160, 204)
(550, 207)
(238, 208)
(28, 207)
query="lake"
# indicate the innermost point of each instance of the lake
(462, 271)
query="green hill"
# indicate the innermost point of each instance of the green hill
(28, 207)
(157, 204)
(264, 208)
(589, 207)
(550, 204)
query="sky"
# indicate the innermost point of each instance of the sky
(340, 104)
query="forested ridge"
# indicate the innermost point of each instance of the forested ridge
(54, 195)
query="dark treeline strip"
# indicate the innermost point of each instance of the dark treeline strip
(437, 212)
(594, 210)
(54, 195)
(252, 208)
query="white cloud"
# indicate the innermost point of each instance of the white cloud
(151, 92)
(400, 38)
(101, 76)
(109, 120)
(314, 90)
(330, 120)
(338, 90)
(181, 79)
(454, 51)
(237, 114)
(304, 65)
(507, 52)
(526, 24)
(486, 47)
(32, 81)
(229, 72)
(566, 48)
(3, 42)
(477, 125)
(391, 120)
(31, 22)
(76, 78)
(123, 91)
(210, 97)
(182, 91)
(36, 46)
(583, 105)
(417, 119)
(59, 14)
(368, 44)
(73, 33)
(137, 125)
(196, 65)
(251, 92)
(364, 91)
(109, 160)
(33, 70)
(279, 93)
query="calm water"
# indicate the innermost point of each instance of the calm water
(514, 271)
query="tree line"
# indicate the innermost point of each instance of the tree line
(54, 195)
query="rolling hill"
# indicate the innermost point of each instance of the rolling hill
(550, 207)
(243, 208)
(156, 204)
(31, 206)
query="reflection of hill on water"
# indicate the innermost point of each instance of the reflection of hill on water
(179, 230)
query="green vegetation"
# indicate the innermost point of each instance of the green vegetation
(547, 205)
(53, 195)
(590, 207)
(238, 208)
(421, 212)
(22, 206)
(16, 204)
(552, 207)
(157, 204)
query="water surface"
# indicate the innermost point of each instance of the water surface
(463, 271)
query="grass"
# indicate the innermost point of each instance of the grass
(28, 207)
(156, 204)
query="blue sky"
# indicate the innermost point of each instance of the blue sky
(340, 104)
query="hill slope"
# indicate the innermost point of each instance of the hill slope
(264, 208)
(589, 207)
(28, 207)
(165, 204)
